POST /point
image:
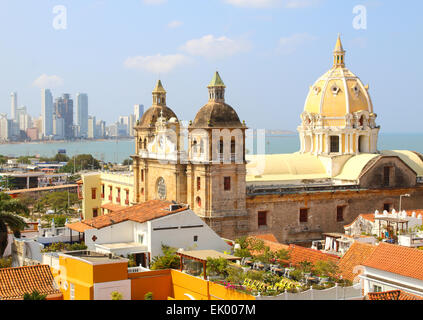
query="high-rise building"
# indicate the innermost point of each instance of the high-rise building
(58, 127)
(13, 105)
(82, 114)
(63, 108)
(92, 124)
(47, 112)
(23, 119)
(138, 111)
(101, 129)
(131, 125)
(38, 123)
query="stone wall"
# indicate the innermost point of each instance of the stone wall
(283, 210)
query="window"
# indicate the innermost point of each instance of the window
(387, 176)
(334, 144)
(221, 146)
(141, 238)
(72, 291)
(93, 193)
(102, 191)
(387, 207)
(142, 175)
(303, 215)
(262, 218)
(111, 193)
(198, 183)
(199, 202)
(95, 213)
(195, 238)
(227, 183)
(118, 195)
(377, 288)
(127, 197)
(340, 213)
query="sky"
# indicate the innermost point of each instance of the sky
(268, 53)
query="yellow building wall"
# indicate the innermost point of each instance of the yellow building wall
(218, 292)
(110, 272)
(90, 181)
(186, 284)
(158, 282)
(78, 273)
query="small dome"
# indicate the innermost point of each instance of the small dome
(150, 117)
(218, 115)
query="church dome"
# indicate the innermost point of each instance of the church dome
(216, 113)
(338, 92)
(158, 108)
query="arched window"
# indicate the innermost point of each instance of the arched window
(221, 149)
(198, 202)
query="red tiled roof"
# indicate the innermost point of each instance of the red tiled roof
(139, 213)
(112, 207)
(15, 282)
(300, 254)
(355, 256)
(392, 295)
(397, 259)
(266, 236)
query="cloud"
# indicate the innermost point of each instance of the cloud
(157, 63)
(154, 2)
(175, 24)
(212, 47)
(46, 81)
(292, 4)
(289, 45)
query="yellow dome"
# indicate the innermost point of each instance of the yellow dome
(338, 92)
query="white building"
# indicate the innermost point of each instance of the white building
(392, 267)
(13, 105)
(82, 113)
(4, 127)
(92, 128)
(47, 112)
(141, 230)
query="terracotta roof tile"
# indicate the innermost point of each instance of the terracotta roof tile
(300, 254)
(112, 207)
(15, 282)
(392, 295)
(139, 213)
(266, 236)
(355, 256)
(397, 259)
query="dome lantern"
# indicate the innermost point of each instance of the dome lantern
(338, 54)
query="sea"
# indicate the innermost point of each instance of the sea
(116, 151)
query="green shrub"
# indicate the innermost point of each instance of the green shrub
(116, 295)
(35, 295)
(148, 296)
(5, 262)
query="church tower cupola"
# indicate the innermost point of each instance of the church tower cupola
(216, 89)
(338, 54)
(159, 95)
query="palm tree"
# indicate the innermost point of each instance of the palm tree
(9, 208)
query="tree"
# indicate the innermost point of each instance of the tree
(81, 162)
(127, 162)
(35, 295)
(58, 201)
(326, 269)
(169, 259)
(217, 266)
(8, 218)
(283, 256)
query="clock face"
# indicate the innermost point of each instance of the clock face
(161, 189)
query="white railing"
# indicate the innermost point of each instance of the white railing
(137, 269)
(334, 293)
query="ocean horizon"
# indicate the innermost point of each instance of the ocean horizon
(118, 150)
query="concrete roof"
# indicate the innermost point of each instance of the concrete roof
(204, 254)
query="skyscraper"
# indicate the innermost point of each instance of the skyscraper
(138, 111)
(47, 112)
(63, 108)
(92, 132)
(13, 105)
(82, 113)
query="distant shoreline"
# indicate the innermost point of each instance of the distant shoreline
(64, 141)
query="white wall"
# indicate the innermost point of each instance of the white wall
(399, 279)
(120, 232)
(184, 238)
(103, 291)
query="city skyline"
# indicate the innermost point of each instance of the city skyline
(264, 50)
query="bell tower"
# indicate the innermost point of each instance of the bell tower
(216, 173)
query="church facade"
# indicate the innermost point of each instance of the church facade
(338, 173)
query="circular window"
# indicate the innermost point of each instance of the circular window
(161, 189)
